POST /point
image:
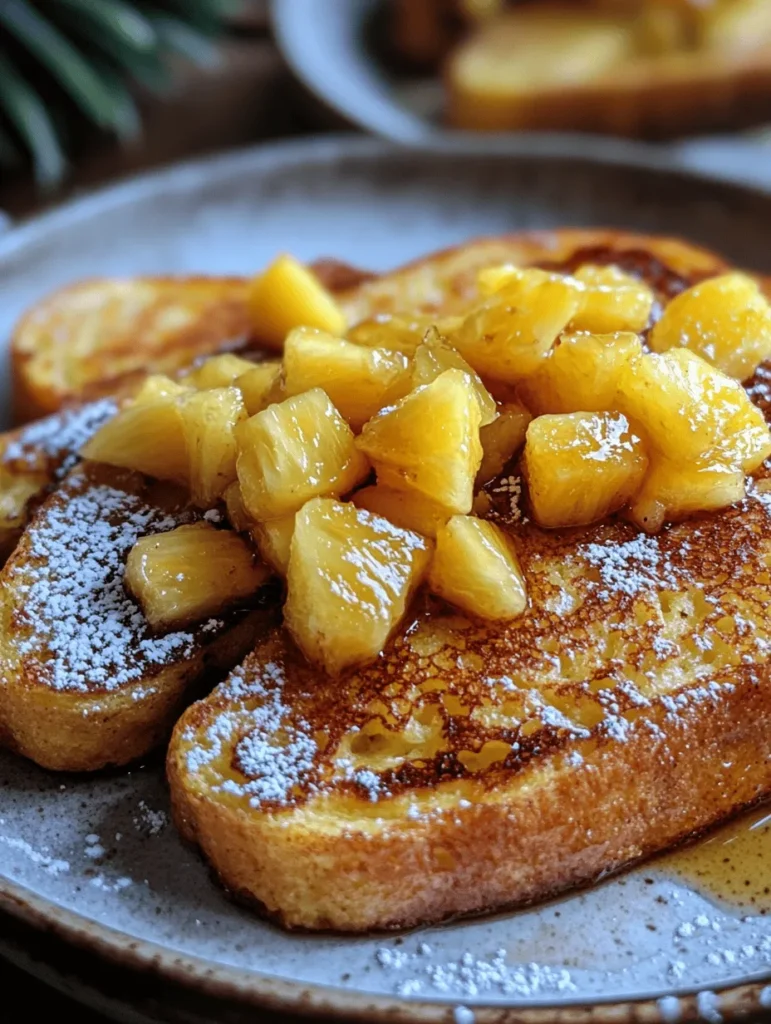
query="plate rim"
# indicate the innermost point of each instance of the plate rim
(592, 149)
(251, 989)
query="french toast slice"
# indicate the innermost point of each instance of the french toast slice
(474, 765)
(95, 336)
(445, 282)
(33, 458)
(101, 336)
(85, 683)
(647, 68)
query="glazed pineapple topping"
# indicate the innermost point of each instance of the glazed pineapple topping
(365, 463)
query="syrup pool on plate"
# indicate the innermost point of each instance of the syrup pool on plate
(731, 865)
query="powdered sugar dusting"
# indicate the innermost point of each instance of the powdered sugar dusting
(60, 437)
(52, 865)
(631, 567)
(472, 975)
(274, 754)
(71, 594)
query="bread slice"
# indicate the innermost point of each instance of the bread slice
(95, 336)
(446, 281)
(555, 66)
(477, 766)
(35, 457)
(101, 336)
(84, 682)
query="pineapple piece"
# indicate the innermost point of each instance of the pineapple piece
(209, 420)
(691, 412)
(501, 440)
(217, 372)
(350, 577)
(235, 510)
(274, 541)
(191, 573)
(476, 568)
(581, 466)
(408, 509)
(147, 436)
(400, 333)
(289, 295)
(672, 491)
(509, 334)
(434, 355)
(613, 301)
(726, 320)
(158, 385)
(429, 441)
(293, 451)
(261, 386)
(359, 380)
(491, 279)
(581, 373)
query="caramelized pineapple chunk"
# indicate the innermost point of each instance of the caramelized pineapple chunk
(399, 333)
(190, 573)
(147, 436)
(289, 295)
(476, 568)
(501, 440)
(581, 466)
(293, 451)
(429, 441)
(209, 420)
(491, 279)
(581, 373)
(273, 538)
(350, 577)
(408, 509)
(673, 491)
(158, 385)
(726, 320)
(235, 510)
(692, 413)
(613, 301)
(359, 380)
(508, 335)
(217, 372)
(434, 355)
(261, 386)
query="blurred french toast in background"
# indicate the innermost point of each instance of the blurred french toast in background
(649, 68)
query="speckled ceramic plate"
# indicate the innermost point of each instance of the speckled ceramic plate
(326, 46)
(96, 859)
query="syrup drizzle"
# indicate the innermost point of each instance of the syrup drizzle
(732, 865)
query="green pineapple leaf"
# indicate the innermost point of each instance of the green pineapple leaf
(63, 60)
(30, 118)
(180, 38)
(119, 20)
(89, 52)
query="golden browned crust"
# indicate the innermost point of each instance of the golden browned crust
(446, 280)
(84, 683)
(101, 336)
(475, 766)
(559, 827)
(95, 336)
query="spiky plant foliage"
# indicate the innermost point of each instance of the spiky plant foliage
(67, 63)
